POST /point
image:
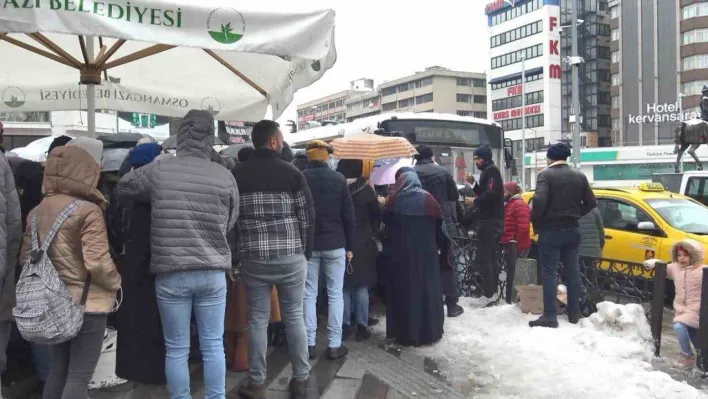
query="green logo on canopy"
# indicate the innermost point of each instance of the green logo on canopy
(226, 25)
(13, 97)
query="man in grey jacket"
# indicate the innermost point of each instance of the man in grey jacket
(194, 204)
(10, 239)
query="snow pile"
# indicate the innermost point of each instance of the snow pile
(493, 353)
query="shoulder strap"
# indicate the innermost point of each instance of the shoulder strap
(71, 208)
(38, 249)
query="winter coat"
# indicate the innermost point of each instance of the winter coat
(10, 238)
(563, 195)
(439, 183)
(592, 234)
(194, 201)
(277, 214)
(334, 211)
(80, 246)
(517, 223)
(688, 281)
(368, 219)
(489, 204)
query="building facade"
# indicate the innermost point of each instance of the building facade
(593, 74)
(524, 39)
(361, 106)
(329, 108)
(648, 67)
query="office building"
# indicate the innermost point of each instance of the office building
(593, 74)
(436, 89)
(650, 66)
(524, 37)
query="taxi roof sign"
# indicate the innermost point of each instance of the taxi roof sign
(655, 187)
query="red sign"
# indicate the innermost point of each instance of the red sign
(516, 113)
(497, 5)
(555, 71)
(514, 91)
(308, 118)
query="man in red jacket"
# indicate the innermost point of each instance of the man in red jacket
(517, 219)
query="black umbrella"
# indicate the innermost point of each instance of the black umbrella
(122, 140)
(171, 143)
(232, 150)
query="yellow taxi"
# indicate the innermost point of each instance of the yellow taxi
(644, 222)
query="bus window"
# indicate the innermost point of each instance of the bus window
(696, 189)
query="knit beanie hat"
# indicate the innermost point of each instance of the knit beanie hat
(484, 153)
(318, 150)
(512, 188)
(92, 146)
(558, 152)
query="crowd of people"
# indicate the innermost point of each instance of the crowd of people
(251, 252)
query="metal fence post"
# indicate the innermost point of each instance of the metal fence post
(511, 255)
(657, 304)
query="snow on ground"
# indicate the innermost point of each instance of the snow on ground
(493, 353)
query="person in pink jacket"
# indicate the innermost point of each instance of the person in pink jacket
(686, 270)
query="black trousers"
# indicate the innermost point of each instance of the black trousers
(488, 236)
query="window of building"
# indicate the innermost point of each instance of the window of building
(614, 12)
(515, 123)
(464, 113)
(403, 87)
(325, 107)
(615, 101)
(506, 59)
(615, 56)
(479, 83)
(603, 52)
(604, 98)
(694, 10)
(603, 30)
(604, 75)
(333, 105)
(693, 88)
(300, 114)
(515, 101)
(423, 82)
(408, 102)
(603, 121)
(339, 103)
(515, 12)
(516, 34)
(615, 79)
(464, 98)
(318, 109)
(514, 82)
(480, 99)
(695, 36)
(388, 106)
(464, 81)
(615, 34)
(478, 114)
(699, 61)
(388, 91)
(425, 98)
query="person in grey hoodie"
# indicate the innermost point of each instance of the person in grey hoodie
(195, 203)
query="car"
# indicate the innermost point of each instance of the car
(644, 222)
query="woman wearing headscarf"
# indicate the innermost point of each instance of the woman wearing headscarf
(361, 271)
(417, 245)
(140, 353)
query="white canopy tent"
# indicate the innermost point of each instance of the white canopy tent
(157, 56)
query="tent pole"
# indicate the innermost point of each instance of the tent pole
(90, 93)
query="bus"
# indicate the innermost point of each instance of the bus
(453, 138)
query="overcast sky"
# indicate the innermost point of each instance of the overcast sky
(387, 39)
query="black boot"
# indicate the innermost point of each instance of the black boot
(362, 333)
(544, 321)
(336, 353)
(453, 309)
(574, 317)
(373, 321)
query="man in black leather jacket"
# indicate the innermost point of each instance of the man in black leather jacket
(439, 183)
(488, 212)
(563, 195)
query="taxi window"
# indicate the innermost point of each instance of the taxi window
(697, 188)
(620, 215)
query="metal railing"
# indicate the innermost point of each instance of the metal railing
(603, 279)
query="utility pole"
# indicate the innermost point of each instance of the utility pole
(523, 122)
(576, 95)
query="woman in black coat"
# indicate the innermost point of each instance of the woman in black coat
(140, 351)
(361, 271)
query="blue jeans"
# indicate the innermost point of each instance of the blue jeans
(177, 295)
(288, 275)
(356, 300)
(559, 245)
(333, 264)
(685, 335)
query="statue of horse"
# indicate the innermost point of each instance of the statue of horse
(690, 135)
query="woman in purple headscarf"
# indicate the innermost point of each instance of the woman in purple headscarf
(415, 241)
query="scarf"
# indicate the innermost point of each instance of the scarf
(410, 199)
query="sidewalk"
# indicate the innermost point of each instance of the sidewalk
(670, 354)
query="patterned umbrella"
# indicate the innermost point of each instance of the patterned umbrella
(372, 146)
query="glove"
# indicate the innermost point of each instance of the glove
(650, 264)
